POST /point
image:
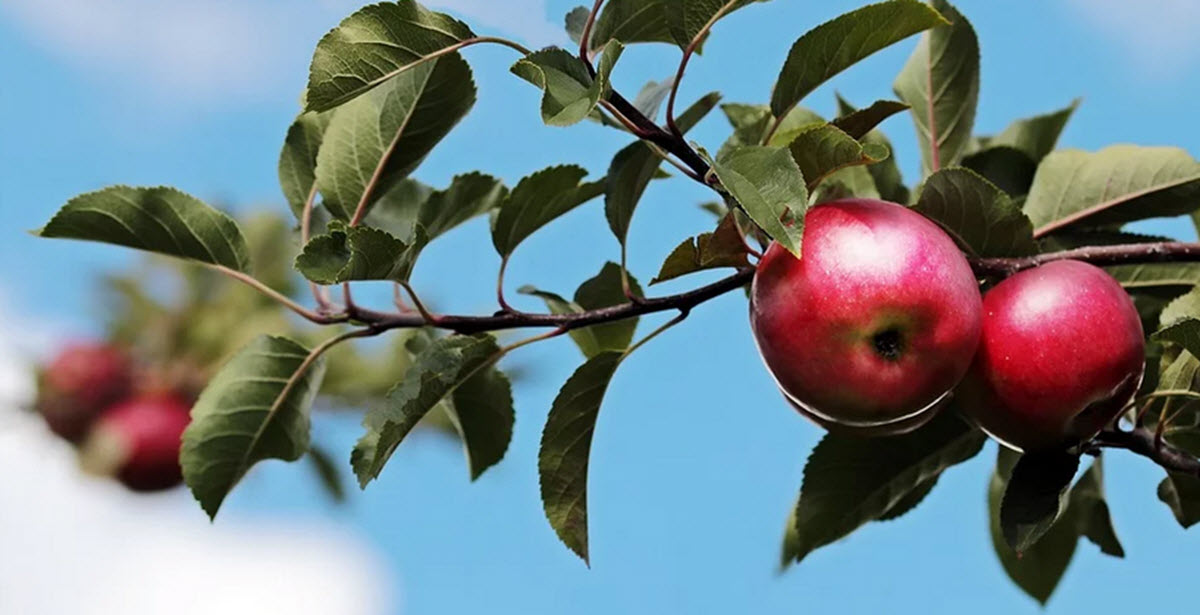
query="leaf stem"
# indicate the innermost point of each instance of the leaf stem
(585, 51)
(287, 302)
(683, 64)
(319, 294)
(683, 314)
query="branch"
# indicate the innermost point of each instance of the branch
(1143, 442)
(683, 63)
(1136, 253)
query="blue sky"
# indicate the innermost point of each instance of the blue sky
(696, 460)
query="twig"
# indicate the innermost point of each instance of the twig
(1142, 442)
(683, 63)
(1164, 252)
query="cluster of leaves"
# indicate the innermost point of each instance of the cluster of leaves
(389, 83)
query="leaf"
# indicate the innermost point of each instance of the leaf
(438, 371)
(570, 92)
(1090, 511)
(1010, 169)
(298, 160)
(538, 200)
(327, 473)
(481, 409)
(721, 248)
(1118, 184)
(373, 45)
(941, 83)
(836, 45)
(850, 481)
(576, 21)
(377, 140)
(161, 220)
(886, 174)
(605, 290)
(631, 21)
(347, 254)
(1035, 496)
(411, 205)
(1185, 332)
(770, 188)
(859, 123)
(686, 18)
(1168, 275)
(256, 407)
(977, 214)
(910, 501)
(1035, 136)
(1181, 492)
(652, 95)
(635, 166)
(823, 149)
(566, 445)
(850, 182)
(1039, 569)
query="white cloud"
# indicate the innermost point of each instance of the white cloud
(1159, 36)
(223, 50)
(82, 546)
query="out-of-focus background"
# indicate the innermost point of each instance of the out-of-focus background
(696, 459)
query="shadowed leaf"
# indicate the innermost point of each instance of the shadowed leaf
(978, 215)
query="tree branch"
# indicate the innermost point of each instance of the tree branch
(1136, 253)
(1143, 442)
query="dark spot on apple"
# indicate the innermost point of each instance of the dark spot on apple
(889, 344)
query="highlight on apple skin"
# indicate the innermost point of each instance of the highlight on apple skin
(1062, 352)
(874, 325)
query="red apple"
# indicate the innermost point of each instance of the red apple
(1061, 354)
(138, 441)
(875, 324)
(82, 380)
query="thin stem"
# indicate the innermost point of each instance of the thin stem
(500, 286)
(287, 302)
(319, 294)
(585, 43)
(420, 307)
(683, 64)
(683, 314)
(532, 340)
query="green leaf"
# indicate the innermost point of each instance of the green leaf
(859, 123)
(941, 83)
(1035, 497)
(1011, 169)
(723, 247)
(379, 139)
(836, 45)
(751, 122)
(538, 200)
(565, 448)
(1039, 569)
(1118, 184)
(327, 473)
(1181, 308)
(686, 18)
(770, 188)
(850, 182)
(373, 45)
(481, 409)
(256, 407)
(1181, 492)
(1161, 275)
(910, 501)
(347, 254)
(886, 174)
(298, 160)
(1090, 511)
(652, 95)
(1035, 136)
(161, 220)
(977, 214)
(823, 149)
(850, 481)
(411, 205)
(1185, 332)
(631, 21)
(576, 21)
(635, 166)
(605, 290)
(437, 372)
(570, 92)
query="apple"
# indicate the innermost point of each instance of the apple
(874, 325)
(138, 441)
(78, 383)
(1062, 353)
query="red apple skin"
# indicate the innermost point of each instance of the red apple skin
(875, 324)
(145, 433)
(1061, 354)
(78, 383)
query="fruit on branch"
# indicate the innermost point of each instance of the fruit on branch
(874, 325)
(138, 442)
(1062, 352)
(82, 380)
